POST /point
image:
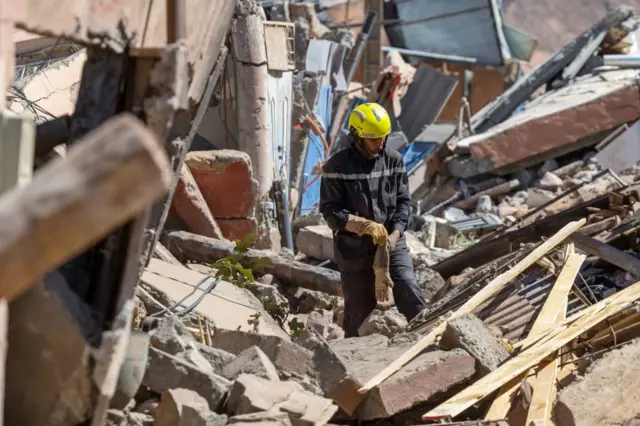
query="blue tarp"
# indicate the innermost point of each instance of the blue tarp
(416, 151)
(316, 152)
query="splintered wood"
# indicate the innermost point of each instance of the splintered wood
(491, 289)
(107, 178)
(560, 336)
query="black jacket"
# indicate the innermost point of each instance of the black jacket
(376, 189)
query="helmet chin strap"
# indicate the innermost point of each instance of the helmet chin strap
(365, 149)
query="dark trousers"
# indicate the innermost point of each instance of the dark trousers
(359, 291)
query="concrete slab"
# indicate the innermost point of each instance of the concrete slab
(228, 306)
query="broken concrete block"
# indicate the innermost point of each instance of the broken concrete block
(251, 361)
(429, 378)
(229, 306)
(324, 326)
(547, 166)
(470, 333)
(264, 418)
(308, 383)
(538, 196)
(225, 175)
(388, 323)
(309, 300)
(607, 394)
(183, 407)
(550, 181)
(252, 394)
(165, 372)
(316, 242)
(430, 281)
(148, 407)
(121, 418)
(217, 358)
(284, 354)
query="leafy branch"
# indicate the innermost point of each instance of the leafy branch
(238, 270)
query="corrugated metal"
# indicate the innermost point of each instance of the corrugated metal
(425, 99)
(471, 28)
(280, 108)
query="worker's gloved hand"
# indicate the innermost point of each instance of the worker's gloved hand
(361, 226)
(383, 282)
(393, 239)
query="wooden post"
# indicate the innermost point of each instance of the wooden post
(106, 179)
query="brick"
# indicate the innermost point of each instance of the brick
(470, 333)
(251, 361)
(183, 407)
(189, 204)
(285, 355)
(607, 393)
(225, 175)
(252, 394)
(165, 372)
(236, 229)
(429, 378)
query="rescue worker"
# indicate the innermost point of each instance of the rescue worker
(364, 198)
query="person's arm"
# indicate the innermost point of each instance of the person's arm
(402, 214)
(332, 198)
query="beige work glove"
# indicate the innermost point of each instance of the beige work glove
(383, 282)
(361, 226)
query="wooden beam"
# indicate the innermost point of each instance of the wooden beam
(608, 253)
(106, 179)
(476, 300)
(561, 336)
(551, 312)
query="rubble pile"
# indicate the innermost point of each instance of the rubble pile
(165, 263)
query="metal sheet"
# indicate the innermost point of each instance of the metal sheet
(622, 152)
(521, 45)
(425, 99)
(469, 28)
(280, 108)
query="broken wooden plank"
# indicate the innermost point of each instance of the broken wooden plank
(562, 335)
(107, 178)
(289, 272)
(476, 300)
(547, 318)
(608, 253)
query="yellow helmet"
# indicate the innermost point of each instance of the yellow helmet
(370, 121)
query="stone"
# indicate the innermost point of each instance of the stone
(309, 300)
(485, 205)
(120, 418)
(388, 323)
(148, 407)
(324, 326)
(251, 361)
(217, 358)
(430, 281)
(225, 175)
(607, 394)
(183, 407)
(308, 383)
(316, 241)
(547, 166)
(284, 354)
(538, 196)
(550, 182)
(252, 394)
(172, 337)
(470, 333)
(165, 372)
(268, 292)
(429, 378)
(264, 418)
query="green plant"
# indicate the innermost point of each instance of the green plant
(231, 269)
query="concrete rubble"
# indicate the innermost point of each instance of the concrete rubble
(185, 277)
